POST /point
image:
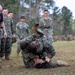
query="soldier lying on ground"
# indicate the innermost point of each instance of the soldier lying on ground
(37, 51)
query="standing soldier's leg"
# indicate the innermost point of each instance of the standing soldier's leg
(8, 48)
(2, 47)
(18, 50)
(0, 51)
(0, 44)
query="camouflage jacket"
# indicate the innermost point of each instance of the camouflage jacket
(43, 48)
(9, 26)
(22, 29)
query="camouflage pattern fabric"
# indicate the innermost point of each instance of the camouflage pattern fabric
(40, 49)
(22, 29)
(10, 32)
(46, 26)
(9, 26)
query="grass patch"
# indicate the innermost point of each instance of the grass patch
(65, 50)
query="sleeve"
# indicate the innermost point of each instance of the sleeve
(24, 42)
(27, 39)
(48, 48)
(41, 24)
(51, 52)
(27, 29)
(51, 23)
(18, 30)
(12, 26)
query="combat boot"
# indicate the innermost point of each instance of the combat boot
(62, 63)
(7, 57)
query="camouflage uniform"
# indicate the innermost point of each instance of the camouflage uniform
(22, 29)
(40, 51)
(46, 26)
(2, 44)
(10, 32)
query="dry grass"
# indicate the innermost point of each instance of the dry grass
(65, 51)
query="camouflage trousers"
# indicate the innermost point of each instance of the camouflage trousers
(47, 65)
(8, 46)
(18, 47)
(2, 47)
(29, 64)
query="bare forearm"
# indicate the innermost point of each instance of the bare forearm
(3, 25)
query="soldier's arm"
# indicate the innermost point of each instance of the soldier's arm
(3, 26)
(48, 48)
(41, 23)
(51, 52)
(51, 22)
(24, 42)
(12, 27)
(27, 39)
(28, 30)
(18, 31)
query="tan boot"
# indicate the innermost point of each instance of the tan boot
(7, 57)
(62, 63)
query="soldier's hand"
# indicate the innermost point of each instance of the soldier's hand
(5, 35)
(39, 61)
(35, 58)
(47, 59)
(14, 35)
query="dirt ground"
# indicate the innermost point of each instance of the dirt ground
(65, 50)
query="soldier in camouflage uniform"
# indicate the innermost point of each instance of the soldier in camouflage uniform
(35, 46)
(10, 33)
(2, 34)
(45, 24)
(22, 31)
(36, 51)
(10, 14)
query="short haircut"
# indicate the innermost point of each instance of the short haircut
(22, 17)
(45, 10)
(5, 9)
(10, 12)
